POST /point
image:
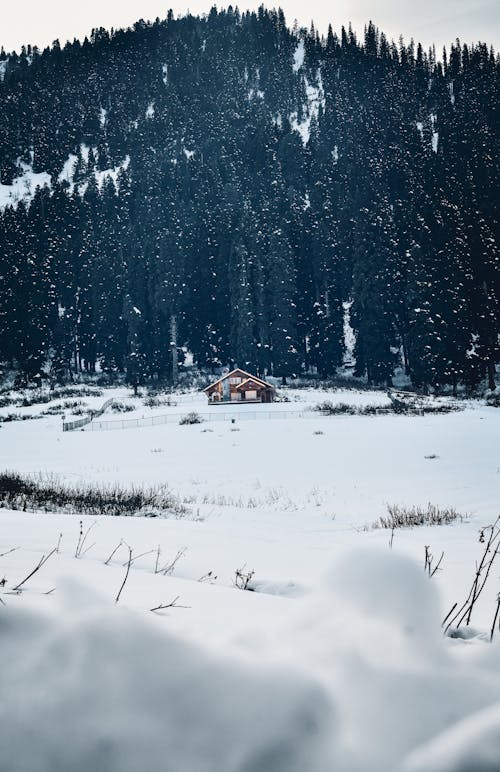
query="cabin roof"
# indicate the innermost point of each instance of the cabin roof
(256, 381)
(249, 376)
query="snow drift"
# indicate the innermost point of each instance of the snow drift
(361, 679)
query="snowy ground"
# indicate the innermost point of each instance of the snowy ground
(339, 624)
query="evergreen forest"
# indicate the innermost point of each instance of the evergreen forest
(238, 188)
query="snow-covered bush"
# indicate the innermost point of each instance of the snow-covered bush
(493, 398)
(121, 407)
(153, 401)
(190, 418)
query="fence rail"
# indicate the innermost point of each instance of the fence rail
(215, 416)
(71, 426)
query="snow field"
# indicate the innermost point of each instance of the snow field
(336, 661)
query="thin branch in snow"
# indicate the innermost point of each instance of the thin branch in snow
(136, 557)
(243, 578)
(169, 568)
(41, 562)
(483, 569)
(208, 577)
(107, 562)
(8, 552)
(82, 538)
(173, 604)
(158, 552)
(126, 574)
(497, 611)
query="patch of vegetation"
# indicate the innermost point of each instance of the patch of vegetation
(42, 397)
(190, 418)
(50, 494)
(342, 382)
(76, 407)
(8, 401)
(17, 417)
(153, 401)
(493, 399)
(121, 407)
(400, 516)
(342, 408)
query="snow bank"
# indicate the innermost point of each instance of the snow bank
(88, 686)
(98, 689)
(472, 745)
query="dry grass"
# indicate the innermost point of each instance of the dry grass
(50, 494)
(400, 516)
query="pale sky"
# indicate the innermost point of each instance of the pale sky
(431, 21)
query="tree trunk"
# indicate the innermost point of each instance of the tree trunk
(173, 348)
(491, 375)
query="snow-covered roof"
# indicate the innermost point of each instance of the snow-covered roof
(249, 376)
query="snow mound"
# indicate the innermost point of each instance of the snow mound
(98, 689)
(356, 677)
(472, 745)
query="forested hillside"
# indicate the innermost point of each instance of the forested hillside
(230, 185)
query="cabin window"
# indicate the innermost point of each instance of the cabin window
(236, 395)
(251, 394)
(235, 381)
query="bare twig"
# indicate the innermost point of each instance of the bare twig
(173, 604)
(497, 611)
(429, 566)
(169, 568)
(448, 615)
(82, 538)
(158, 553)
(59, 542)
(41, 562)
(107, 562)
(208, 577)
(483, 569)
(436, 567)
(126, 574)
(243, 578)
(87, 550)
(9, 552)
(136, 557)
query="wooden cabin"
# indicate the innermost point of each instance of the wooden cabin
(239, 386)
